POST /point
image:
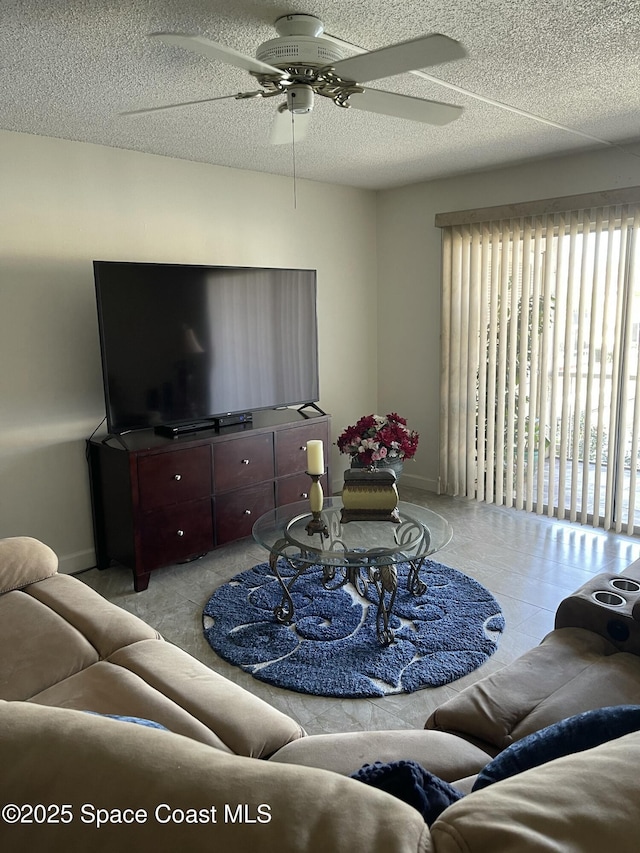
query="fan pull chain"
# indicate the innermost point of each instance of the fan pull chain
(293, 153)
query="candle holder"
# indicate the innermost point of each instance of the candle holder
(316, 500)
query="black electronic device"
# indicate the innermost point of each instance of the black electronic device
(176, 430)
(233, 420)
(188, 347)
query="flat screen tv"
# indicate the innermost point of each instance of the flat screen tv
(183, 344)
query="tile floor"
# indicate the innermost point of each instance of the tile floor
(530, 563)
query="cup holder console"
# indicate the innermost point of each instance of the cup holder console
(609, 605)
(625, 584)
(611, 599)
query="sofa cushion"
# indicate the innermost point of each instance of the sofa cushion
(39, 647)
(575, 734)
(52, 755)
(24, 560)
(245, 723)
(449, 757)
(160, 682)
(110, 689)
(583, 803)
(55, 628)
(105, 625)
(571, 671)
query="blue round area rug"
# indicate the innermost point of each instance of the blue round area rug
(331, 647)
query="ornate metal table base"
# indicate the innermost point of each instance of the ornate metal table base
(361, 569)
(284, 611)
(362, 552)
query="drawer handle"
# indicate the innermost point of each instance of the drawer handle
(245, 461)
(177, 476)
(247, 512)
(304, 495)
(180, 532)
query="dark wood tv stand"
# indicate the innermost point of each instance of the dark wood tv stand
(158, 501)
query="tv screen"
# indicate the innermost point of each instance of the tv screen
(184, 343)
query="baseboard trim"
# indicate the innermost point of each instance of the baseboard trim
(77, 562)
(426, 484)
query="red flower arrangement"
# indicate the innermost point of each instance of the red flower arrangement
(376, 438)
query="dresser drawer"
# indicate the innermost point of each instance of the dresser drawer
(291, 447)
(236, 512)
(292, 489)
(174, 533)
(242, 462)
(169, 478)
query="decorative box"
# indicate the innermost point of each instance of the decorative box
(370, 495)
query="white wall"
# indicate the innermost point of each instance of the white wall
(64, 204)
(409, 275)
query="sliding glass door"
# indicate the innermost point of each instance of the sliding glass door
(541, 328)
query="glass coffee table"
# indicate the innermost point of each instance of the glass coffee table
(363, 553)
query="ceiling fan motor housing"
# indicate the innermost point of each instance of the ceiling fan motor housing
(299, 50)
(299, 44)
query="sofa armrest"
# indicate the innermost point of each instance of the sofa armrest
(24, 561)
(571, 671)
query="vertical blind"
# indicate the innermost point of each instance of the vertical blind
(540, 359)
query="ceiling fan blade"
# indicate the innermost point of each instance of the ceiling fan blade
(190, 103)
(405, 106)
(219, 52)
(284, 131)
(399, 58)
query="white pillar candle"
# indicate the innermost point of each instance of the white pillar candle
(315, 457)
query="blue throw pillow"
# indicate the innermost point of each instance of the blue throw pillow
(574, 734)
(411, 783)
(125, 719)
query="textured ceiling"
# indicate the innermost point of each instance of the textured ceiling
(541, 78)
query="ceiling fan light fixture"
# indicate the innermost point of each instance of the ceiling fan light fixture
(299, 99)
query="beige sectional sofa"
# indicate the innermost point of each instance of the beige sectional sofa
(234, 774)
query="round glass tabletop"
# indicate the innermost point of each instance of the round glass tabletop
(419, 532)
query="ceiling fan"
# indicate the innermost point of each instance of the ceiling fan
(301, 63)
